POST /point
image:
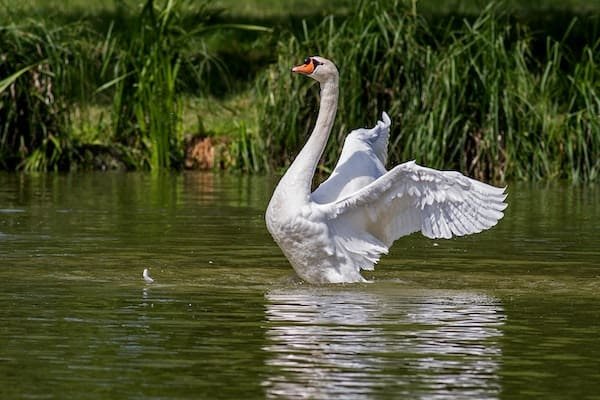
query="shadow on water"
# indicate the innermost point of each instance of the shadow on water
(327, 343)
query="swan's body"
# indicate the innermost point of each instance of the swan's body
(353, 217)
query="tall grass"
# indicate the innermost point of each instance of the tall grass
(246, 153)
(145, 64)
(46, 73)
(33, 113)
(468, 95)
(167, 39)
(142, 65)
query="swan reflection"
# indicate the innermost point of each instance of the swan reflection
(343, 343)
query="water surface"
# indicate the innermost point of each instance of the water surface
(512, 313)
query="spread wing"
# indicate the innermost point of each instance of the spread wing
(410, 198)
(367, 207)
(361, 162)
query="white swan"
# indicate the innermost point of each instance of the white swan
(353, 217)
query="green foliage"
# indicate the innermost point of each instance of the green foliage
(480, 94)
(146, 109)
(246, 152)
(147, 62)
(32, 109)
(48, 76)
(466, 95)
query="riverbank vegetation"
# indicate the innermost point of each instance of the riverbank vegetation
(499, 91)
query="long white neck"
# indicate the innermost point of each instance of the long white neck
(298, 178)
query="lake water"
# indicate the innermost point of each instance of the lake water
(512, 313)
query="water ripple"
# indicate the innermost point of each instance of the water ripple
(327, 343)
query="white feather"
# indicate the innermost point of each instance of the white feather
(146, 276)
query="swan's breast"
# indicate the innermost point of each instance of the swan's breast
(305, 239)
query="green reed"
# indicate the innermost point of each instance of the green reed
(46, 72)
(146, 62)
(467, 95)
(136, 73)
(246, 152)
(32, 109)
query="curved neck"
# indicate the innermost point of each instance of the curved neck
(300, 174)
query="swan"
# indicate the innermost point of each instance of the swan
(346, 224)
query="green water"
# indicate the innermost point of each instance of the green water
(512, 313)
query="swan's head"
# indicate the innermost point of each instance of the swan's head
(318, 68)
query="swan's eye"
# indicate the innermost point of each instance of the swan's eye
(307, 61)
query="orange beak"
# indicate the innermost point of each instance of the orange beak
(305, 69)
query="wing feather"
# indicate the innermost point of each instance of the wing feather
(362, 161)
(411, 198)
(367, 208)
